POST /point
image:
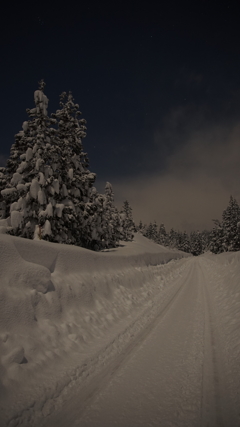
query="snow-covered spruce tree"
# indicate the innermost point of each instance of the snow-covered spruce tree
(179, 241)
(93, 220)
(172, 238)
(31, 186)
(75, 180)
(127, 224)
(216, 238)
(205, 235)
(3, 184)
(112, 218)
(142, 228)
(103, 222)
(196, 243)
(185, 246)
(149, 231)
(231, 231)
(162, 235)
(155, 232)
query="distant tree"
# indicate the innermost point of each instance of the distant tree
(3, 183)
(111, 225)
(216, 238)
(196, 243)
(172, 238)
(149, 231)
(154, 232)
(162, 235)
(127, 223)
(205, 235)
(231, 232)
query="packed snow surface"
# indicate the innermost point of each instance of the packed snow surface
(140, 335)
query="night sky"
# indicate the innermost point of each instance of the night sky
(159, 86)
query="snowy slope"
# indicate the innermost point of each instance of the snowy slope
(60, 304)
(137, 335)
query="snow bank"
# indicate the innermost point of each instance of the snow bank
(55, 299)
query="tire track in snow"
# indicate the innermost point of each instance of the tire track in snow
(159, 384)
(217, 408)
(105, 369)
(210, 404)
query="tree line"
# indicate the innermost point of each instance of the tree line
(224, 237)
(46, 188)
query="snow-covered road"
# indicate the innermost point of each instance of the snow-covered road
(172, 370)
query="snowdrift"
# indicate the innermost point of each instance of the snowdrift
(56, 299)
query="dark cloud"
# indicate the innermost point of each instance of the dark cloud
(201, 171)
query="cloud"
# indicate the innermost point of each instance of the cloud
(202, 169)
(3, 160)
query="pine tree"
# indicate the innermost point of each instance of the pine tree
(29, 191)
(154, 232)
(162, 235)
(149, 231)
(230, 220)
(3, 184)
(196, 243)
(172, 238)
(111, 226)
(185, 243)
(127, 224)
(205, 234)
(216, 238)
(75, 179)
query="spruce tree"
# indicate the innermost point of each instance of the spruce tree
(172, 238)
(127, 224)
(75, 179)
(162, 235)
(196, 243)
(111, 226)
(3, 184)
(230, 220)
(154, 232)
(29, 191)
(149, 231)
(216, 238)
(185, 242)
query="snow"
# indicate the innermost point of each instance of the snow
(41, 102)
(8, 191)
(16, 218)
(59, 209)
(34, 188)
(21, 187)
(64, 190)
(21, 168)
(25, 126)
(38, 163)
(41, 197)
(29, 154)
(47, 229)
(135, 335)
(16, 178)
(70, 173)
(56, 186)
